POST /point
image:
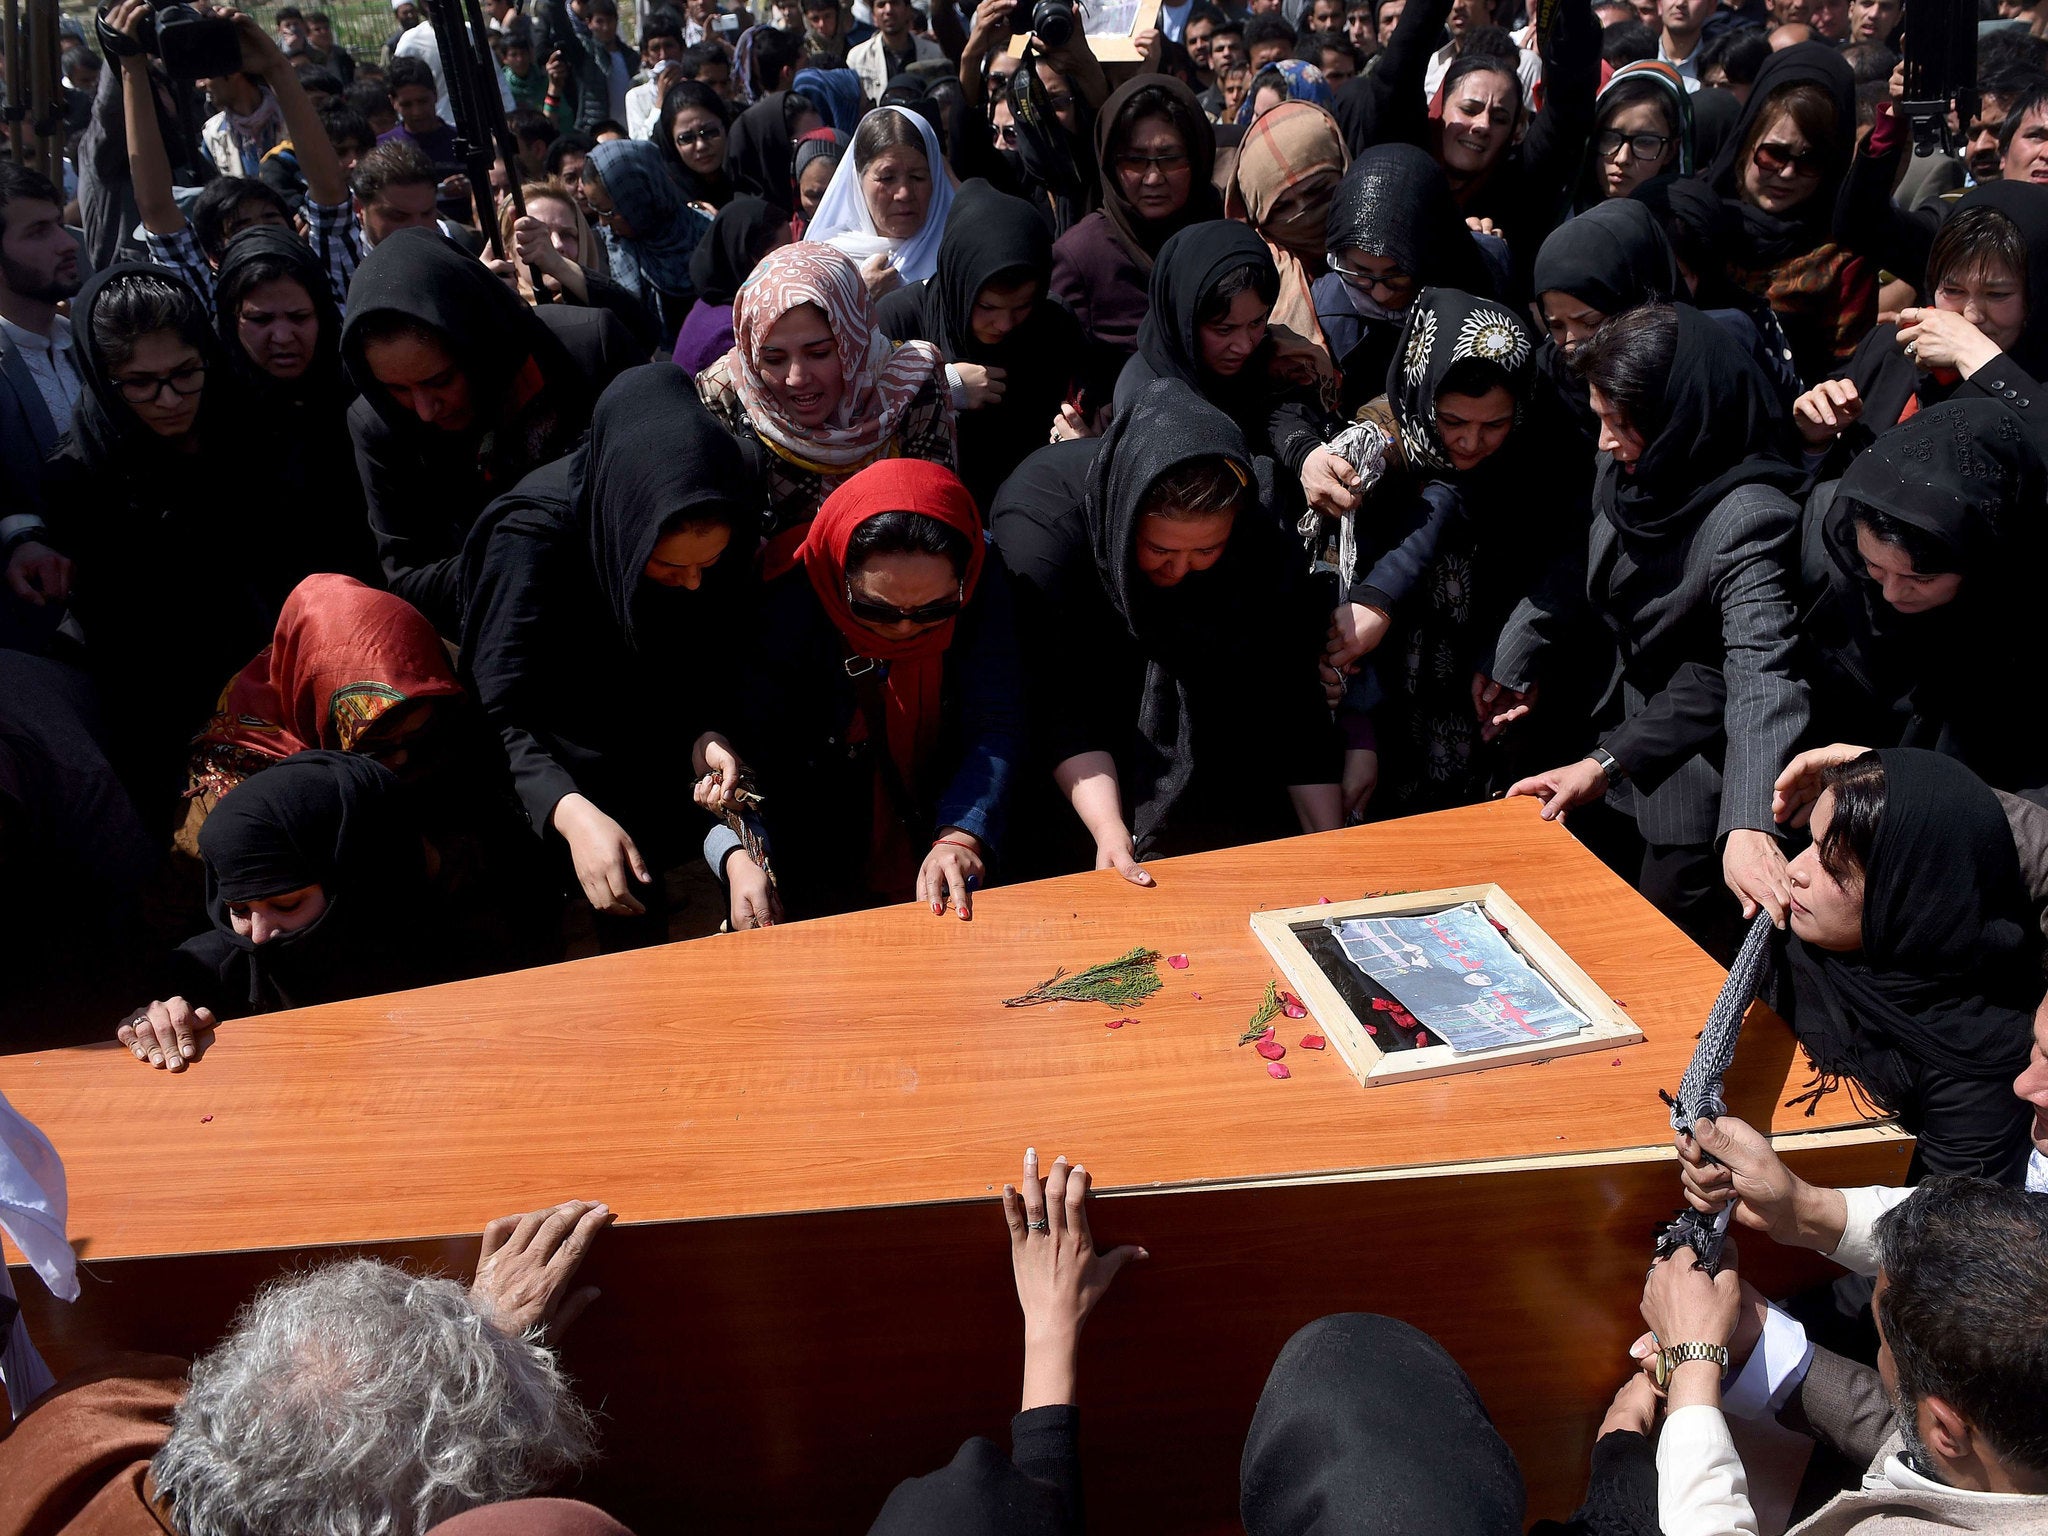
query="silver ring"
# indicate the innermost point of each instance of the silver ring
(1913, 350)
(1038, 1226)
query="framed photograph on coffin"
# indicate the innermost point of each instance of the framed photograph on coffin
(1430, 983)
(1112, 27)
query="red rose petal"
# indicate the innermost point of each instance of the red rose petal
(1114, 1023)
(1615, 1063)
(1178, 962)
(1312, 1042)
(1198, 997)
(1322, 901)
(206, 1119)
(1421, 1038)
(1381, 1005)
(1266, 1033)
(1291, 1006)
(1271, 1049)
(1372, 1029)
(1277, 1069)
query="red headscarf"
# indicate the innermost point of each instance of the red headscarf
(343, 656)
(916, 665)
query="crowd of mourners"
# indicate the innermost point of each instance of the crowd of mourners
(852, 457)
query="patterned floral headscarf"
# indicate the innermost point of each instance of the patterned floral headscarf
(1446, 328)
(881, 381)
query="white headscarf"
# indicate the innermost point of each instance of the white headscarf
(32, 1211)
(843, 220)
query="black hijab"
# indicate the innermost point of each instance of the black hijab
(1962, 475)
(1368, 1427)
(332, 819)
(1395, 201)
(1155, 96)
(1770, 238)
(2026, 205)
(1612, 257)
(1190, 266)
(525, 415)
(759, 147)
(324, 384)
(1448, 332)
(105, 431)
(1720, 427)
(1948, 975)
(1198, 629)
(727, 254)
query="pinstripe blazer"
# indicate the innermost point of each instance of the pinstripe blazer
(1724, 596)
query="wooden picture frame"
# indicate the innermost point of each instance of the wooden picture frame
(1608, 1025)
(1109, 47)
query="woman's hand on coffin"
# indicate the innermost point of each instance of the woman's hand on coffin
(1799, 785)
(168, 1034)
(1564, 789)
(1119, 851)
(750, 894)
(529, 1263)
(1497, 705)
(606, 860)
(951, 871)
(1060, 1277)
(1753, 867)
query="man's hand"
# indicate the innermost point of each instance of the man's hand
(126, 18)
(37, 574)
(1059, 1275)
(168, 1034)
(991, 25)
(606, 860)
(1564, 789)
(1799, 785)
(1753, 867)
(1683, 1304)
(1497, 705)
(260, 53)
(528, 1264)
(951, 871)
(1825, 411)
(1728, 1159)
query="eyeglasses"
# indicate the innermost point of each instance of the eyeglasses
(143, 388)
(1060, 103)
(1137, 165)
(1644, 146)
(871, 612)
(1386, 282)
(1777, 159)
(690, 137)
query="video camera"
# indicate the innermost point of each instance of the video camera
(191, 44)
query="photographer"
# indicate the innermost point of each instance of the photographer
(329, 214)
(106, 198)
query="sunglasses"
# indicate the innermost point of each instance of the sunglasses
(1006, 133)
(1780, 158)
(693, 136)
(1166, 164)
(1643, 146)
(869, 611)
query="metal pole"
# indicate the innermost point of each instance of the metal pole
(10, 44)
(493, 104)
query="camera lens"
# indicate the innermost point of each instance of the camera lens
(1053, 21)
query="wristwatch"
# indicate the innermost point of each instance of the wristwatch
(1609, 765)
(1671, 1358)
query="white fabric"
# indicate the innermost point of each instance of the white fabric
(1773, 1372)
(33, 1204)
(1701, 1487)
(1857, 1251)
(2037, 1172)
(1441, 61)
(844, 223)
(420, 43)
(643, 109)
(52, 363)
(1896, 1475)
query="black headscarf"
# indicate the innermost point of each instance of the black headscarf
(1720, 427)
(1394, 201)
(1198, 627)
(427, 278)
(1058, 163)
(106, 431)
(332, 819)
(1445, 331)
(1190, 266)
(1948, 975)
(726, 255)
(1963, 475)
(1612, 257)
(1368, 1427)
(759, 147)
(1169, 98)
(2026, 204)
(1770, 238)
(323, 383)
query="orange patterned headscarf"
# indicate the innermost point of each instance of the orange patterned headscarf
(881, 380)
(344, 655)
